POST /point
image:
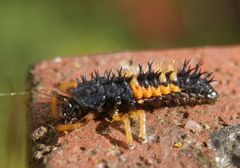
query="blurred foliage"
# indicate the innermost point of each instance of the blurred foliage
(32, 31)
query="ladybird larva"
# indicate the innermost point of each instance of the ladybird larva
(123, 96)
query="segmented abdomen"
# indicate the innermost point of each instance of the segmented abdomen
(152, 84)
(183, 86)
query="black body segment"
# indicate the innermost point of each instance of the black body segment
(100, 94)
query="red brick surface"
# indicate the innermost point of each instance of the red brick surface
(100, 145)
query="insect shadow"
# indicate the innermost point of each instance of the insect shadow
(103, 128)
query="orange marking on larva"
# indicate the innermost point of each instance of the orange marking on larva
(137, 90)
(127, 73)
(174, 88)
(140, 101)
(173, 76)
(156, 92)
(162, 77)
(165, 89)
(147, 92)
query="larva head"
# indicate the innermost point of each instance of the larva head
(197, 84)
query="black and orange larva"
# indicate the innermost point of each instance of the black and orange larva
(123, 96)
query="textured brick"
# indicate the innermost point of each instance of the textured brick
(170, 143)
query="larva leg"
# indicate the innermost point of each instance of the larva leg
(54, 110)
(67, 85)
(142, 132)
(71, 127)
(142, 120)
(126, 121)
(68, 127)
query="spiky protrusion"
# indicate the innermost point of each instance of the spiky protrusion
(196, 71)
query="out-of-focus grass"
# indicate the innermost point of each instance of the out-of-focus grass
(15, 136)
(31, 31)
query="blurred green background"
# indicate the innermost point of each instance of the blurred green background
(31, 31)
